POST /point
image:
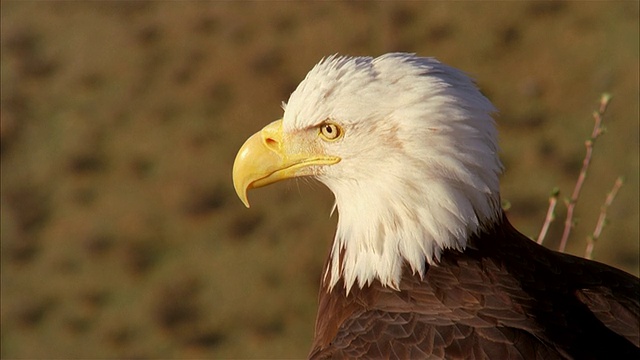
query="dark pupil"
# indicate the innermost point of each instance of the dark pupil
(329, 129)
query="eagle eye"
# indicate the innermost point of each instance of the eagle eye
(330, 131)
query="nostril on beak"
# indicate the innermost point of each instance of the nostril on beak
(271, 143)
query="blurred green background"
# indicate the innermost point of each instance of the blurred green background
(121, 234)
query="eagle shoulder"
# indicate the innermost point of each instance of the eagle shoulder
(503, 297)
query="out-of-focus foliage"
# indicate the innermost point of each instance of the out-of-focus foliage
(121, 234)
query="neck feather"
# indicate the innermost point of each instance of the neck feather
(384, 224)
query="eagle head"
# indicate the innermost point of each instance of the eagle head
(407, 145)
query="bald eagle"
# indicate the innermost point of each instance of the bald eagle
(424, 263)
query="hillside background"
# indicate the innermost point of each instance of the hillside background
(121, 233)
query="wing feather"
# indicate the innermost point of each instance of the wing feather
(503, 298)
(612, 313)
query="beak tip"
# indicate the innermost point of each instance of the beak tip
(241, 191)
(245, 201)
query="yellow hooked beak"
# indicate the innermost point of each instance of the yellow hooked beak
(267, 157)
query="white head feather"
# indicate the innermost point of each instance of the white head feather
(419, 169)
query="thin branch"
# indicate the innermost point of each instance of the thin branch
(571, 203)
(551, 215)
(591, 240)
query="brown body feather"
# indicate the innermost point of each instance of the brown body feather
(504, 297)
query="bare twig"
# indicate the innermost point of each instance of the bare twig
(571, 203)
(551, 215)
(591, 240)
